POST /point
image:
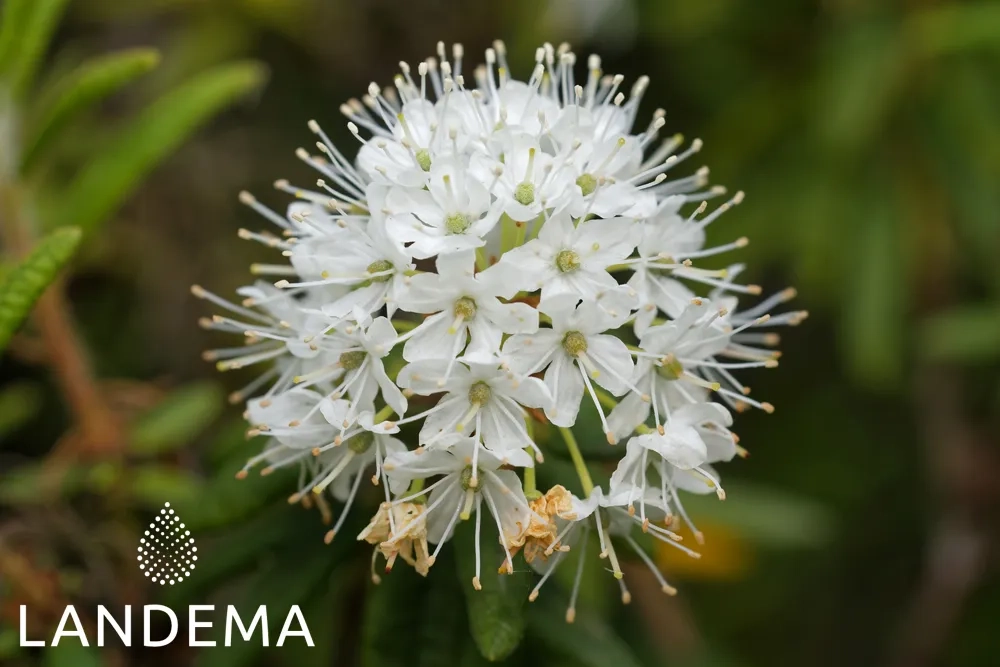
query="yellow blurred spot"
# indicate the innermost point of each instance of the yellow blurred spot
(724, 556)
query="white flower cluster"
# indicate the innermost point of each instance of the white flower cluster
(535, 233)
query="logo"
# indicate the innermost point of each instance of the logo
(167, 552)
(167, 555)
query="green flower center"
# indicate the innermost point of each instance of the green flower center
(378, 266)
(352, 360)
(466, 479)
(671, 369)
(479, 393)
(575, 343)
(424, 159)
(456, 223)
(361, 443)
(524, 193)
(465, 308)
(567, 260)
(587, 183)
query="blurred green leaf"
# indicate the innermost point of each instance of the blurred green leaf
(154, 485)
(389, 613)
(444, 619)
(875, 303)
(226, 499)
(107, 180)
(77, 91)
(19, 402)
(24, 284)
(964, 333)
(10, 643)
(24, 37)
(177, 420)
(766, 516)
(34, 482)
(861, 75)
(588, 641)
(954, 27)
(69, 653)
(496, 613)
(14, 15)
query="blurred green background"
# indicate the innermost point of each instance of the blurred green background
(864, 528)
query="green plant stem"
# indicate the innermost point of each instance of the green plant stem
(482, 261)
(530, 486)
(581, 466)
(382, 414)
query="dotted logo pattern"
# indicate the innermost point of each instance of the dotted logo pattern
(167, 553)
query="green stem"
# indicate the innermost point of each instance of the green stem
(530, 486)
(482, 261)
(539, 221)
(416, 486)
(508, 233)
(578, 462)
(383, 414)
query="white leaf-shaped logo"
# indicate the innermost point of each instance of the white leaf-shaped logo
(167, 553)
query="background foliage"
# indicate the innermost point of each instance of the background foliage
(864, 528)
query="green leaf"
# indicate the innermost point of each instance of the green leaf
(12, 24)
(178, 419)
(24, 284)
(588, 641)
(965, 333)
(28, 27)
(154, 485)
(40, 483)
(876, 303)
(80, 89)
(70, 653)
(10, 644)
(766, 516)
(19, 402)
(496, 613)
(952, 28)
(107, 180)
(227, 499)
(389, 613)
(424, 640)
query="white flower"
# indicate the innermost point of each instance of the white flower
(359, 371)
(480, 398)
(365, 258)
(567, 259)
(464, 305)
(605, 515)
(471, 475)
(668, 364)
(452, 214)
(342, 464)
(575, 352)
(294, 418)
(526, 181)
(494, 207)
(696, 435)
